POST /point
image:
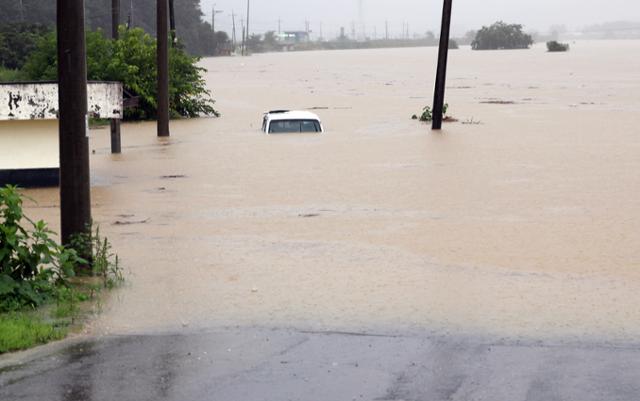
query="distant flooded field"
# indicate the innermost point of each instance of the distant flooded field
(522, 219)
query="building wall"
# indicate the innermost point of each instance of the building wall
(37, 100)
(29, 144)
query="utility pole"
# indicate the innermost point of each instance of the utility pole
(279, 26)
(21, 10)
(116, 143)
(130, 19)
(163, 67)
(233, 34)
(242, 46)
(75, 185)
(441, 77)
(386, 30)
(246, 42)
(172, 24)
(213, 18)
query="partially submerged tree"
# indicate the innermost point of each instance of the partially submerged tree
(501, 36)
(555, 46)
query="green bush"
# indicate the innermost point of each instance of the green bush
(427, 114)
(501, 36)
(132, 61)
(555, 46)
(31, 263)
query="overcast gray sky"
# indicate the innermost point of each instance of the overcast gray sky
(421, 15)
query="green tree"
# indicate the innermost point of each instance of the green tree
(132, 61)
(193, 32)
(17, 41)
(501, 36)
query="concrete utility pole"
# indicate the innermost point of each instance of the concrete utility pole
(441, 76)
(163, 67)
(246, 42)
(172, 24)
(213, 17)
(116, 143)
(244, 32)
(130, 19)
(233, 34)
(279, 26)
(386, 30)
(75, 185)
(21, 11)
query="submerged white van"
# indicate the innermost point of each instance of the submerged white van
(290, 122)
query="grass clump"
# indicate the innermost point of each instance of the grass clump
(9, 75)
(20, 331)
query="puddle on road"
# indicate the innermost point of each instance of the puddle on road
(525, 224)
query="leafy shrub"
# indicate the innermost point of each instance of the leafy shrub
(501, 36)
(555, 46)
(31, 263)
(427, 114)
(132, 61)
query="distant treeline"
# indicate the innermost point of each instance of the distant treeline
(195, 34)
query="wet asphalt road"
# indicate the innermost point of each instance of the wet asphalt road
(280, 365)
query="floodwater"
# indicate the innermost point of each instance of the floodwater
(520, 220)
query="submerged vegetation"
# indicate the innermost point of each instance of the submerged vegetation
(427, 114)
(42, 283)
(501, 36)
(555, 46)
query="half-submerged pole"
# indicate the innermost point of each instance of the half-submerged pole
(75, 185)
(441, 75)
(116, 143)
(163, 67)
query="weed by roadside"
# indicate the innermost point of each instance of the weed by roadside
(42, 296)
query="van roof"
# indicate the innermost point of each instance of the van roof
(291, 115)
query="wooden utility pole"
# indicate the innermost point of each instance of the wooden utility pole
(172, 24)
(75, 185)
(116, 143)
(441, 76)
(163, 67)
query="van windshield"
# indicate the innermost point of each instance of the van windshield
(290, 126)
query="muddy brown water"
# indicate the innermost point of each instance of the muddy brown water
(520, 220)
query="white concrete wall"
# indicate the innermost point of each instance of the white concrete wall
(29, 144)
(39, 101)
